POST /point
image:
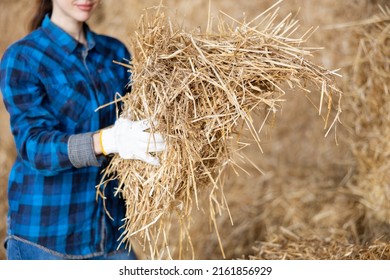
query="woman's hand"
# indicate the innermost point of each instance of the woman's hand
(130, 140)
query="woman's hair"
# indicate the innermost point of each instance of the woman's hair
(42, 8)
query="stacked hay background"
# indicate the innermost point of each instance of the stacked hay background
(308, 200)
(369, 99)
(305, 201)
(329, 197)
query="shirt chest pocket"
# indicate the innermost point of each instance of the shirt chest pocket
(69, 100)
(113, 81)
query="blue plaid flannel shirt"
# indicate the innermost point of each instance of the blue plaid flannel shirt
(51, 86)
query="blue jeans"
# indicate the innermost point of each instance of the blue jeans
(19, 249)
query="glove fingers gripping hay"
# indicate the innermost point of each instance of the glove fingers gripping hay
(202, 88)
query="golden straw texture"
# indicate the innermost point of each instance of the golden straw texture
(202, 88)
(319, 249)
(369, 103)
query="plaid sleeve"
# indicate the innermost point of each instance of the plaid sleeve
(38, 142)
(81, 152)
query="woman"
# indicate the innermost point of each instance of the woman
(52, 81)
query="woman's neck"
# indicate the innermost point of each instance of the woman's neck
(71, 26)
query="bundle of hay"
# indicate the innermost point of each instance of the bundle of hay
(369, 117)
(203, 88)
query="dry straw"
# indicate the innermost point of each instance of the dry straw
(369, 117)
(203, 88)
(319, 249)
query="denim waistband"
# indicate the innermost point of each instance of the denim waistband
(37, 251)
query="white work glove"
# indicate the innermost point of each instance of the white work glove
(130, 141)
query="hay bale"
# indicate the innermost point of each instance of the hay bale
(307, 202)
(368, 115)
(203, 88)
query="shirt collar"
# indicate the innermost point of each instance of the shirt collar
(63, 39)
